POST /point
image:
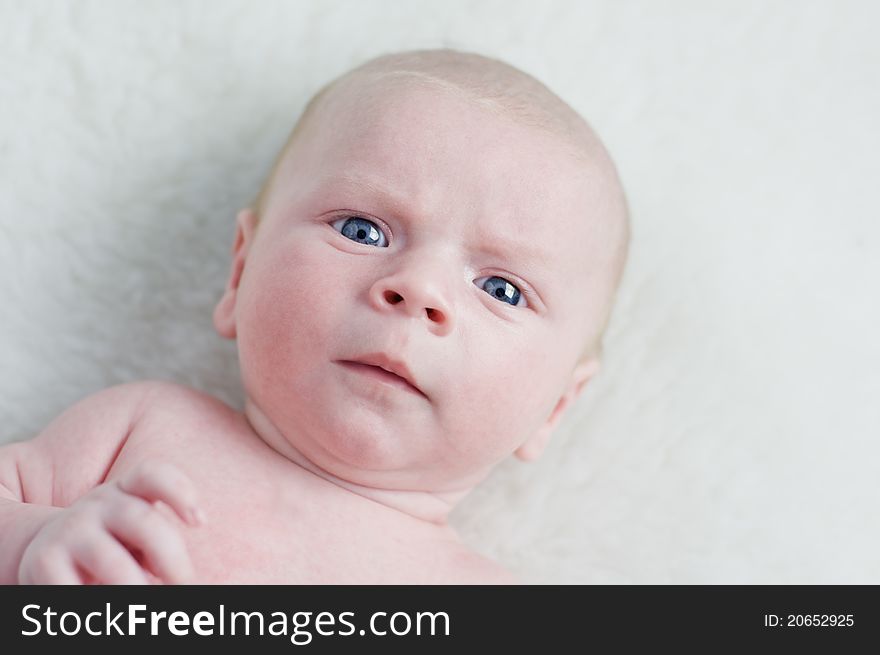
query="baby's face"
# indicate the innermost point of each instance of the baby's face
(422, 227)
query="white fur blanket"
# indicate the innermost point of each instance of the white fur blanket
(734, 433)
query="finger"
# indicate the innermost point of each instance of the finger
(139, 526)
(108, 561)
(156, 481)
(54, 568)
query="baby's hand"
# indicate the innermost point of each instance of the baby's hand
(115, 535)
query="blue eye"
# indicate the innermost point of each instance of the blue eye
(501, 289)
(361, 230)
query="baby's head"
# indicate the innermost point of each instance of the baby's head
(440, 210)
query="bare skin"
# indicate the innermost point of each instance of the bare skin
(339, 473)
(264, 519)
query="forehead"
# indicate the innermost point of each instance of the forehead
(446, 157)
(423, 139)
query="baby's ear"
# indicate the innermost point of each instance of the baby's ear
(532, 448)
(224, 312)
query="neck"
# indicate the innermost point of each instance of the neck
(425, 506)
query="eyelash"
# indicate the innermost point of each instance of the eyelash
(525, 294)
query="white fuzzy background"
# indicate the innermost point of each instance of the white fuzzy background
(734, 433)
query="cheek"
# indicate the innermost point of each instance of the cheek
(506, 398)
(288, 301)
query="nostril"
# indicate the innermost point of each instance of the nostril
(392, 297)
(433, 314)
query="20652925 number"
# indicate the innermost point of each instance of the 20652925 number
(820, 620)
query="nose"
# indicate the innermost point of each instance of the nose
(418, 289)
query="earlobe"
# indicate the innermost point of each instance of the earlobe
(583, 373)
(224, 312)
(533, 447)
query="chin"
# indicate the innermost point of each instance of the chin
(362, 444)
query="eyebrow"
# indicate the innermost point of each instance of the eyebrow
(499, 246)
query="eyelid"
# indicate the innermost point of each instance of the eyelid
(525, 290)
(353, 213)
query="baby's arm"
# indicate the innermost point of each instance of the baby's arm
(61, 523)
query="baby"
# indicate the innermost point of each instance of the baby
(419, 291)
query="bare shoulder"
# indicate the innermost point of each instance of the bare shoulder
(76, 450)
(164, 396)
(185, 413)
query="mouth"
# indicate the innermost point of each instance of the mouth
(382, 375)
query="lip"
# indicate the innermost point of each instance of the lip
(385, 369)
